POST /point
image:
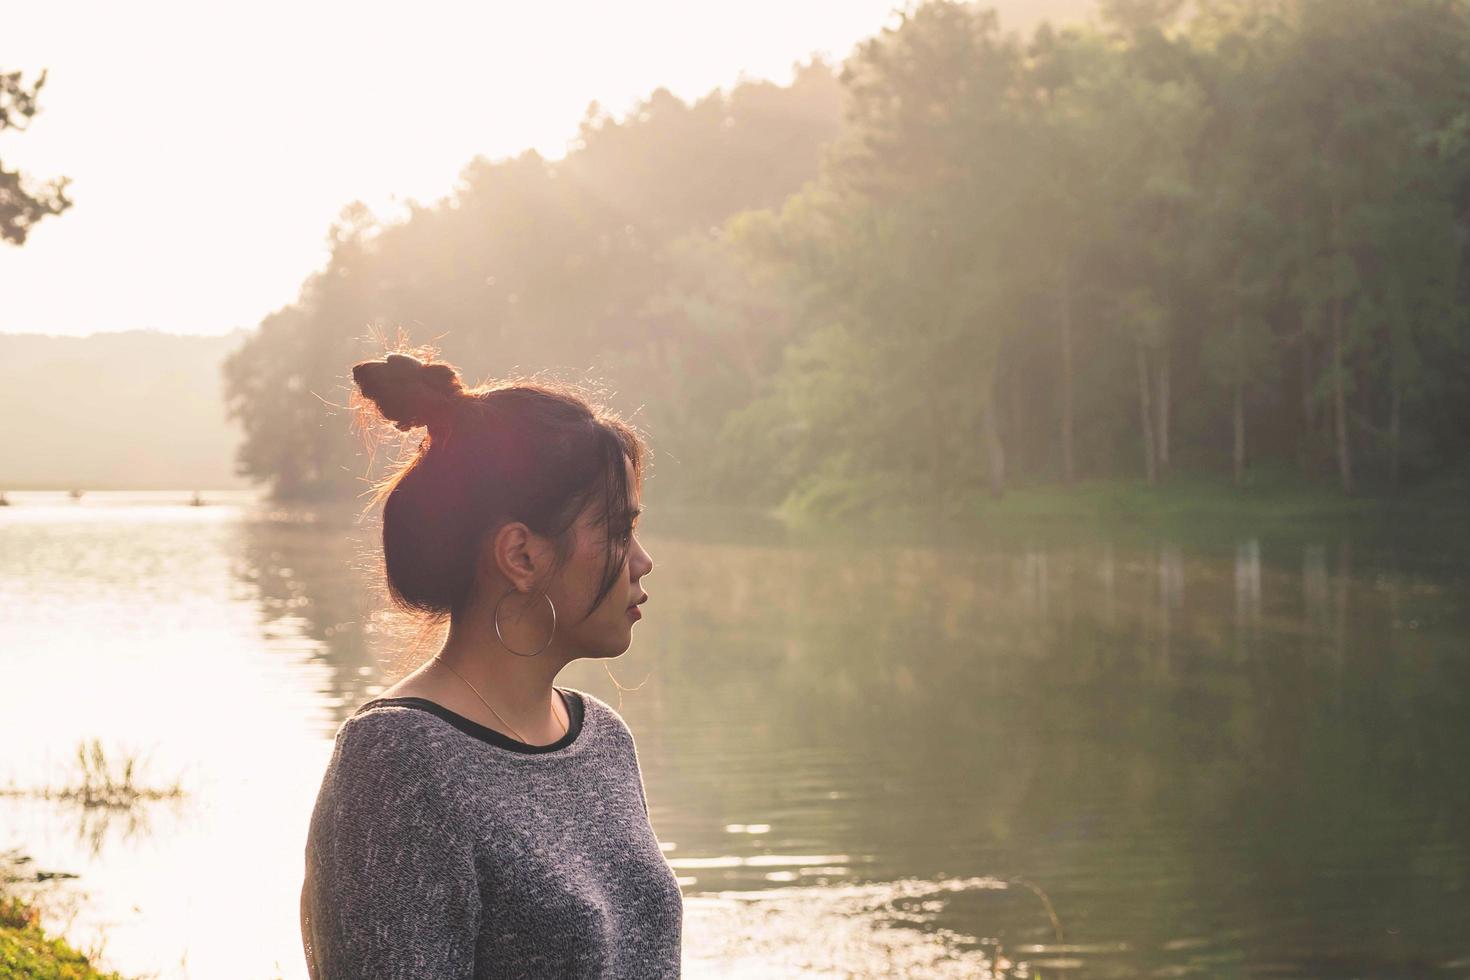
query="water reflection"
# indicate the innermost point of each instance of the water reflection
(1181, 741)
(311, 570)
(1235, 752)
(1247, 593)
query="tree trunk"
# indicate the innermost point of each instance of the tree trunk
(1238, 404)
(1339, 382)
(1163, 432)
(995, 457)
(1150, 464)
(1308, 437)
(1339, 400)
(1017, 427)
(936, 453)
(1239, 409)
(1069, 469)
(1394, 421)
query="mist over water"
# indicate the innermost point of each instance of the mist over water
(1009, 752)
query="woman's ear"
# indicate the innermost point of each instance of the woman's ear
(517, 553)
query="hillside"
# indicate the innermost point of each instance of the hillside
(133, 410)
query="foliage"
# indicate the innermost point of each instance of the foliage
(1204, 236)
(26, 950)
(611, 260)
(21, 206)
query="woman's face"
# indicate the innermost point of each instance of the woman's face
(608, 631)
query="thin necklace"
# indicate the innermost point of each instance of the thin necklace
(565, 727)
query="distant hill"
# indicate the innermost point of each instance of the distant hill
(133, 410)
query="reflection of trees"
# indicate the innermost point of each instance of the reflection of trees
(1003, 707)
(988, 707)
(1247, 592)
(319, 585)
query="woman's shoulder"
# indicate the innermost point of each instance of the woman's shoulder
(611, 733)
(392, 734)
(592, 705)
(393, 759)
(392, 718)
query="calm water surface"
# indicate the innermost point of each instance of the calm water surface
(1040, 751)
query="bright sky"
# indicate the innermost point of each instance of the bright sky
(211, 146)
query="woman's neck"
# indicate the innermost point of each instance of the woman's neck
(522, 702)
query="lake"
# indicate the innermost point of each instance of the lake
(1011, 752)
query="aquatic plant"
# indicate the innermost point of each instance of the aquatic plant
(103, 779)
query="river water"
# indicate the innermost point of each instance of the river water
(1027, 751)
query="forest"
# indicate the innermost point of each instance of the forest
(1221, 238)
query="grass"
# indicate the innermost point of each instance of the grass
(101, 782)
(1183, 503)
(1179, 498)
(26, 950)
(1201, 509)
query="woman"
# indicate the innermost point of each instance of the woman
(476, 820)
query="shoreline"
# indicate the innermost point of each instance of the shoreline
(28, 950)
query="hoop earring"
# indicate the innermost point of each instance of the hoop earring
(518, 653)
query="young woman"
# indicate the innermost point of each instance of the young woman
(476, 820)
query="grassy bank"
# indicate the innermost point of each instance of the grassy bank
(1179, 499)
(1185, 502)
(27, 951)
(1181, 504)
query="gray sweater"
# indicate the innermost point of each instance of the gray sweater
(441, 848)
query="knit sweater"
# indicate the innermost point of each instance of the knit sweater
(440, 848)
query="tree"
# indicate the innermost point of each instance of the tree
(1218, 231)
(1060, 193)
(588, 263)
(21, 206)
(925, 187)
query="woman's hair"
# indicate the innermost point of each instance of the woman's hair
(517, 450)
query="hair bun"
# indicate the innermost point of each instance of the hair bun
(409, 392)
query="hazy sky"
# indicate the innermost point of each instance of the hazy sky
(210, 146)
